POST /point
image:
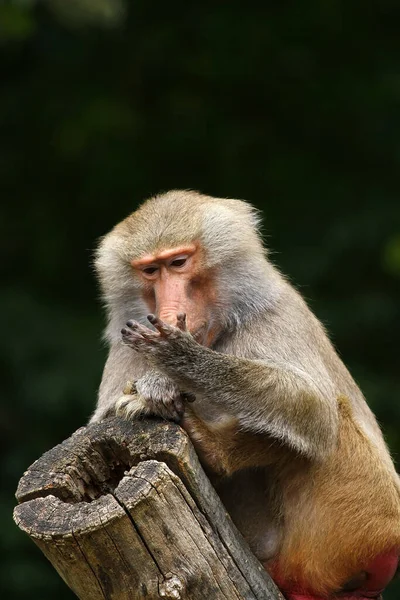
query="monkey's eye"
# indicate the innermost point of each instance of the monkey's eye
(179, 262)
(150, 270)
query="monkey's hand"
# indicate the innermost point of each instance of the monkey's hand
(159, 346)
(153, 394)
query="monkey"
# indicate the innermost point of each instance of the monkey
(209, 333)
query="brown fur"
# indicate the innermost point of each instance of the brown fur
(346, 514)
(348, 502)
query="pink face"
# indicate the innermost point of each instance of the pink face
(175, 281)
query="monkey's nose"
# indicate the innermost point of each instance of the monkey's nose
(168, 317)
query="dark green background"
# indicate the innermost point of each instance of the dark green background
(294, 106)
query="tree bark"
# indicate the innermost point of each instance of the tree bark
(124, 511)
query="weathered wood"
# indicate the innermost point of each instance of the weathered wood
(125, 511)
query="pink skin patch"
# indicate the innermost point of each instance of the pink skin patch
(379, 574)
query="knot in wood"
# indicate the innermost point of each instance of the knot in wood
(171, 587)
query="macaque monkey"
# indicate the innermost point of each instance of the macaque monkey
(215, 337)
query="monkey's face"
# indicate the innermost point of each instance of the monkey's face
(175, 281)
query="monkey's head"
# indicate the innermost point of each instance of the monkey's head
(184, 252)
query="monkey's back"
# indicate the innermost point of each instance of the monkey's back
(341, 512)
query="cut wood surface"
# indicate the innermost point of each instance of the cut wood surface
(125, 511)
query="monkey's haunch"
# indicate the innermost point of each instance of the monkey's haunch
(378, 575)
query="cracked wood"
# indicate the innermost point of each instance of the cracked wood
(124, 511)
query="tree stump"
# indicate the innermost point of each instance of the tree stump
(124, 511)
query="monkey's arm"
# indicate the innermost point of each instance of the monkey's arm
(122, 366)
(278, 400)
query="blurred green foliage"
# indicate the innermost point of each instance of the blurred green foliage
(292, 106)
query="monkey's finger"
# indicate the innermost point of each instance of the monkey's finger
(128, 333)
(179, 406)
(131, 338)
(181, 321)
(139, 329)
(170, 409)
(188, 396)
(131, 333)
(132, 324)
(130, 406)
(129, 388)
(175, 417)
(199, 334)
(163, 328)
